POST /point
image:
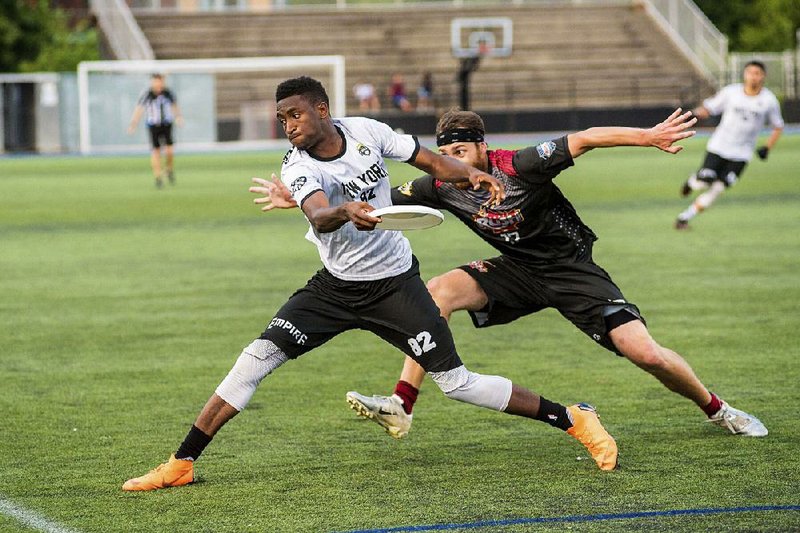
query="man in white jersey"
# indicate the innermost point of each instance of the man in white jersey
(745, 109)
(370, 280)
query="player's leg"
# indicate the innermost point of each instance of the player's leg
(731, 171)
(700, 204)
(634, 342)
(255, 362)
(409, 319)
(155, 163)
(155, 155)
(582, 293)
(302, 324)
(494, 291)
(713, 178)
(586, 295)
(705, 175)
(453, 291)
(170, 154)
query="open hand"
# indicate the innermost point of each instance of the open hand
(489, 183)
(665, 134)
(275, 194)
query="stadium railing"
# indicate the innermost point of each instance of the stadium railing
(124, 36)
(699, 39)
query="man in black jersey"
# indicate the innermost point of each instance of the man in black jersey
(546, 259)
(160, 108)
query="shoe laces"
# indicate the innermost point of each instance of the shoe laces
(731, 419)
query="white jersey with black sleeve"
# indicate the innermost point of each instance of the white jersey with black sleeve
(357, 173)
(743, 117)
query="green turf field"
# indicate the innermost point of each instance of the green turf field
(122, 307)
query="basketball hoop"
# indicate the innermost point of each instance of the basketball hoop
(490, 37)
(473, 39)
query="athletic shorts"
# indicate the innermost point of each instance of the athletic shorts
(161, 135)
(721, 169)
(583, 293)
(399, 310)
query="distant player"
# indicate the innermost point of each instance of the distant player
(745, 109)
(370, 280)
(161, 111)
(546, 260)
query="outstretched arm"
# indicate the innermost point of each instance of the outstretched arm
(137, 114)
(763, 151)
(178, 115)
(454, 171)
(275, 195)
(773, 138)
(701, 112)
(320, 214)
(663, 135)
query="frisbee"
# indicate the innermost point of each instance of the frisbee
(405, 217)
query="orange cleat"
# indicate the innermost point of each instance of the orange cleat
(173, 473)
(586, 427)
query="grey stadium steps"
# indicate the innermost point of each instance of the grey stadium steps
(564, 55)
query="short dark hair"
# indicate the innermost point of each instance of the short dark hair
(304, 86)
(756, 63)
(156, 76)
(456, 118)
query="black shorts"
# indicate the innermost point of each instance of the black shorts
(161, 135)
(399, 310)
(583, 293)
(717, 168)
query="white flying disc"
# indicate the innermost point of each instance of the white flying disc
(405, 217)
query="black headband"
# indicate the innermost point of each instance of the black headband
(459, 135)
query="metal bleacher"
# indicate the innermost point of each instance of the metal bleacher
(565, 55)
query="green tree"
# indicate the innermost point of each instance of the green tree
(34, 37)
(772, 27)
(22, 32)
(755, 25)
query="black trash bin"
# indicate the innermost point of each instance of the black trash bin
(19, 125)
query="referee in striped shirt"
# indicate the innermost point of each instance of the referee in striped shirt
(161, 110)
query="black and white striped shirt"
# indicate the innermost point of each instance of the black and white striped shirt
(158, 108)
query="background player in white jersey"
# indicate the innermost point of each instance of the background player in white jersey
(546, 260)
(337, 175)
(745, 109)
(160, 109)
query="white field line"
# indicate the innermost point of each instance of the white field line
(31, 519)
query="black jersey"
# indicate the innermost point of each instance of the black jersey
(534, 223)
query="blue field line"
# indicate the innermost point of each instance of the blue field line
(581, 518)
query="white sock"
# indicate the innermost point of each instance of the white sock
(689, 213)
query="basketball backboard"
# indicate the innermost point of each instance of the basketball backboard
(470, 37)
